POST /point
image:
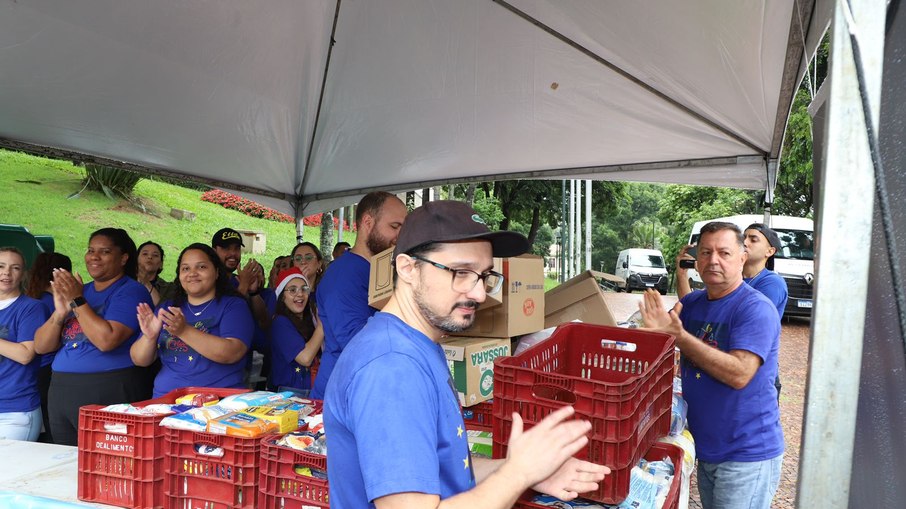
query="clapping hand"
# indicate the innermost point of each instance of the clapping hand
(67, 285)
(149, 323)
(173, 320)
(656, 316)
(543, 455)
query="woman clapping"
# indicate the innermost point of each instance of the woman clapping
(201, 336)
(91, 329)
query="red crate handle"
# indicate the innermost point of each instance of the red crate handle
(555, 393)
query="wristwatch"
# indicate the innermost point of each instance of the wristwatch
(76, 302)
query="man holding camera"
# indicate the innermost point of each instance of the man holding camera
(761, 243)
(729, 337)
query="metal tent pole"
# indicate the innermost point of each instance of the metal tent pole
(845, 220)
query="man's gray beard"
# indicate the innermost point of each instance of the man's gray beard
(446, 324)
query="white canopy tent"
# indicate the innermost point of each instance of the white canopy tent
(305, 105)
(253, 97)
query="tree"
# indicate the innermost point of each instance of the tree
(327, 234)
(795, 177)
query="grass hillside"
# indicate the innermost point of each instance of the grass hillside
(35, 196)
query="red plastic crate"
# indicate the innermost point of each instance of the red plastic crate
(478, 417)
(279, 484)
(121, 456)
(626, 395)
(657, 452)
(197, 481)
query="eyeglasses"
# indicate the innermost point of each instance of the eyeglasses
(305, 258)
(464, 280)
(293, 290)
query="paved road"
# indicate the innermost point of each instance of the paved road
(794, 340)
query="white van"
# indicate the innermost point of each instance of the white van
(795, 261)
(642, 268)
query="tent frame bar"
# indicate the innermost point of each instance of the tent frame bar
(569, 173)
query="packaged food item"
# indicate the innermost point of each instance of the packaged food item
(195, 419)
(209, 450)
(480, 443)
(315, 423)
(241, 425)
(196, 400)
(257, 398)
(284, 414)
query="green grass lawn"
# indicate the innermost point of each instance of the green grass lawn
(36, 197)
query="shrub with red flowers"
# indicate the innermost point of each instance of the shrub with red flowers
(250, 208)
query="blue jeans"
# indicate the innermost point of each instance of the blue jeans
(738, 484)
(21, 425)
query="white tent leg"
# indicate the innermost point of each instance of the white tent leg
(588, 225)
(845, 220)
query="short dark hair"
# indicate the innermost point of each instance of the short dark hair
(222, 285)
(341, 243)
(371, 204)
(313, 247)
(41, 272)
(160, 249)
(124, 242)
(717, 226)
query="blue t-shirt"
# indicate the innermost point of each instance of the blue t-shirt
(182, 366)
(286, 343)
(730, 424)
(343, 309)
(47, 300)
(116, 303)
(772, 286)
(18, 382)
(387, 438)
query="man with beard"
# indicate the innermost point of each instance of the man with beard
(249, 282)
(342, 294)
(396, 432)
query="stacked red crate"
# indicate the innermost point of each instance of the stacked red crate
(619, 379)
(121, 456)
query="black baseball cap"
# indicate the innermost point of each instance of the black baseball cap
(453, 221)
(772, 239)
(226, 237)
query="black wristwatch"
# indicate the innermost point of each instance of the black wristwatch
(76, 302)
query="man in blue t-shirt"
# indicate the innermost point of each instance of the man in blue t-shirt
(762, 243)
(342, 294)
(397, 437)
(729, 337)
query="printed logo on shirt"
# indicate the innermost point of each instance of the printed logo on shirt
(71, 329)
(176, 346)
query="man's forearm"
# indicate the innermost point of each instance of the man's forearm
(725, 367)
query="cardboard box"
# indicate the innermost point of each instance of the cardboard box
(580, 298)
(471, 362)
(522, 309)
(380, 281)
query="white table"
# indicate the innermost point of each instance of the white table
(41, 470)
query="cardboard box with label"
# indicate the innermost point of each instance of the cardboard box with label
(522, 309)
(580, 298)
(471, 362)
(380, 281)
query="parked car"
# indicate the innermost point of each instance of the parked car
(642, 268)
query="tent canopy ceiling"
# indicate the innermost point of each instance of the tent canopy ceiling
(411, 93)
